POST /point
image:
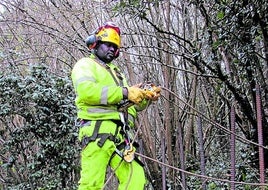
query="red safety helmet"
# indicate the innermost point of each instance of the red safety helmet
(110, 25)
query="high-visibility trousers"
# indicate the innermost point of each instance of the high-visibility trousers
(94, 163)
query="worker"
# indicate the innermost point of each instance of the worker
(100, 89)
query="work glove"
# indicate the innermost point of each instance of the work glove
(153, 93)
(136, 94)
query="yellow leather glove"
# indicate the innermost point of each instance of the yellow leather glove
(153, 93)
(136, 94)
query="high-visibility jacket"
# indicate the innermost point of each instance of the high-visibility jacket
(98, 90)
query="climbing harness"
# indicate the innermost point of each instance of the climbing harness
(96, 135)
(127, 152)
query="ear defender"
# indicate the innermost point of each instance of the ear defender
(91, 41)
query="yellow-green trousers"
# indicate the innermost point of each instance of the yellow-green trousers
(95, 160)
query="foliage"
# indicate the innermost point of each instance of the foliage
(207, 55)
(38, 133)
(228, 52)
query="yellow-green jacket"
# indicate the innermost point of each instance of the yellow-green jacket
(97, 91)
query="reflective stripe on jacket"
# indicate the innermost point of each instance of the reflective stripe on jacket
(97, 92)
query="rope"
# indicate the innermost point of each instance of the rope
(198, 175)
(112, 174)
(190, 173)
(184, 171)
(142, 119)
(212, 122)
(135, 136)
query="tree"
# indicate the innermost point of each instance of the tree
(207, 55)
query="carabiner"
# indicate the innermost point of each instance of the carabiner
(129, 153)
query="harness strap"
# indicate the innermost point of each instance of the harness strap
(96, 131)
(116, 76)
(103, 136)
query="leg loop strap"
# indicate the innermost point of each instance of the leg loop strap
(103, 136)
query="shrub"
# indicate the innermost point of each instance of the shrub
(38, 136)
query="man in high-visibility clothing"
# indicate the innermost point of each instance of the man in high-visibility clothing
(100, 88)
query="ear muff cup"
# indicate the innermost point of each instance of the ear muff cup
(116, 53)
(91, 41)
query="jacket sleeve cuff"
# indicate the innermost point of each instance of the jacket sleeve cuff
(125, 92)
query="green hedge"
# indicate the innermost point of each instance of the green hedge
(38, 143)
